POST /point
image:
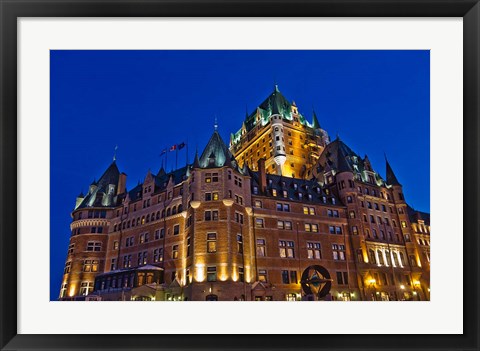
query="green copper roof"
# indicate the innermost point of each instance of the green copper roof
(215, 154)
(101, 196)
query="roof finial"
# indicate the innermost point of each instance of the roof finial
(215, 126)
(115, 153)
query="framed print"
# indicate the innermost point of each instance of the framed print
(261, 175)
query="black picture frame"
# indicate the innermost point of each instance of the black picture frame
(11, 10)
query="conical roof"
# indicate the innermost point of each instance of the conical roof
(99, 197)
(391, 178)
(216, 153)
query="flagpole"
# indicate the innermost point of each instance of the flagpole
(166, 159)
(176, 158)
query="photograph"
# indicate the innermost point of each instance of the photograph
(240, 175)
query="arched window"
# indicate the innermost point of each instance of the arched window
(163, 213)
(402, 259)
(158, 215)
(174, 210)
(168, 212)
(180, 208)
(143, 220)
(148, 218)
(372, 256)
(389, 258)
(380, 257)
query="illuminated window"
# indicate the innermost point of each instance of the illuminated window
(68, 267)
(261, 247)
(175, 251)
(258, 204)
(404, 224)
(286, 249)
(127, 261)
(63, 290)
(274, 192)
(380, 258)
(314, 251)
(211, 242)
(354, 230)
(262, 275)
(90, 265)
(259, 223)
(352, 214)
(338, 252)
(211, 274)
(142, 258)
(86, 288)
(158, 255)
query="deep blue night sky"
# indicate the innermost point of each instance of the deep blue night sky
(145, 101)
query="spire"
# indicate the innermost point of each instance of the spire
(342, 164)
(315, 123)
(391, 178)
(196, 161)
(275, 89)
(216, 153)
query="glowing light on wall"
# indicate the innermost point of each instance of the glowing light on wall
(72, 290)
(199, 272)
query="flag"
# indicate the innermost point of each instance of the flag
(181, 146)
(173, 147)
(164, 151)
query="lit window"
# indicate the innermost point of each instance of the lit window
(86, 288)
(211, 242)
(259, 222)
(258, 204)
(158, 255)
(261, 248)
(262, 275)
(314, 251)
(338, 252)
(90, 265)
(175, 251)
(286, 249)
(68, 267)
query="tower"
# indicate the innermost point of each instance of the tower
(277, 132)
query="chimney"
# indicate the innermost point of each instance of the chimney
(122, 183)
(262, 175)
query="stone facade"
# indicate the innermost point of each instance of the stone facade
(281, 214)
